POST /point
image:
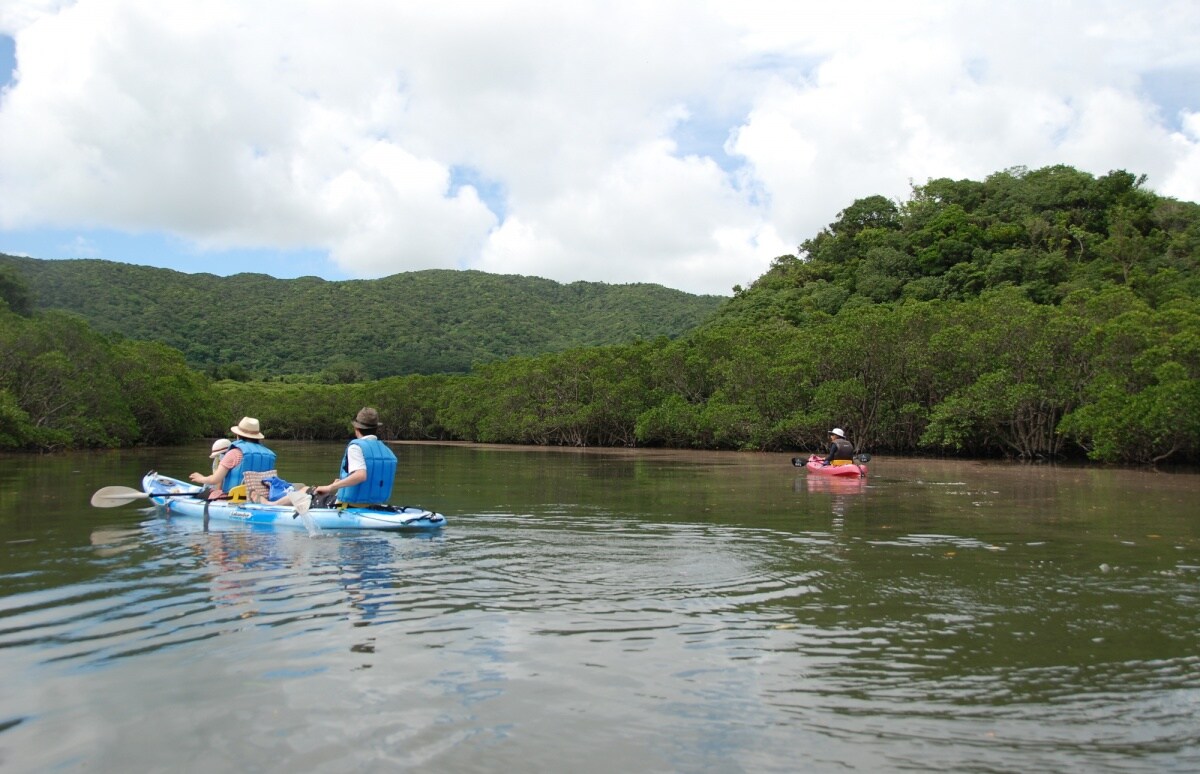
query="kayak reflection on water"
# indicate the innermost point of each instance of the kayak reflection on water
(835, 485)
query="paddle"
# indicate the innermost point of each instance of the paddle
(861, 459)
(301, 502)
(112, 496)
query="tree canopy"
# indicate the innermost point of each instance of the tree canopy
(1036, 314)
(1049, 232)
(426, 322)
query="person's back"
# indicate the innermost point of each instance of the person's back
(380, 464)
(368, 467)
(841, 451)
(256, 458)
(232, 460)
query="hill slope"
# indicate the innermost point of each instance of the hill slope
(436, 321)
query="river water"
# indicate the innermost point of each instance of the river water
(602, 611)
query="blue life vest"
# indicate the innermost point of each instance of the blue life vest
(381, 473)
(255, 457)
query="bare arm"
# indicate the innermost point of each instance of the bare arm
(357, 477)
(213, 480)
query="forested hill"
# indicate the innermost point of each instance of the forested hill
(1040, 314)
(437, 321)
(1046, 233)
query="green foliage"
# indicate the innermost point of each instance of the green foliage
(170, 402)
(14, 293)
(290, 411)
(15, 429)
(1143, 403)
(1050, 231)
(422, 322)
(1036, 314)
(63, 385)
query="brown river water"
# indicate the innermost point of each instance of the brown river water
(603, 611)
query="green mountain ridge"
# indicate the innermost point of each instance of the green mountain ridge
(422, 322)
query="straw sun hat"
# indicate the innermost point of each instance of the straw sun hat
(248, 428)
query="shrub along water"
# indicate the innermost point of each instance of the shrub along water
(64, 386)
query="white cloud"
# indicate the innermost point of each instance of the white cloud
(233, 124)
(1184, 179)
(650, 217)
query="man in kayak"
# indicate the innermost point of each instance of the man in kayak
(246, 454)
(368, 466)
(841, 451)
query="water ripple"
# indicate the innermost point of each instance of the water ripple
(889, 649)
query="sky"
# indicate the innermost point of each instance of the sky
(683, 143)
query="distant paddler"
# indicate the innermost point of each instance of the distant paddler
(841, 451)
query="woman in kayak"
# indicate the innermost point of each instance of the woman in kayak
(841, 451)
(246, 454)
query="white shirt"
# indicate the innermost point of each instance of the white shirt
(354, 456)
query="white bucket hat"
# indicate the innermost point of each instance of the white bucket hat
(838, 432)
(219, 447)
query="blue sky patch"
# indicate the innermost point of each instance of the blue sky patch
(165, 251)
(1174, 91)
(705, 135)
(491, 192)
(8, 60)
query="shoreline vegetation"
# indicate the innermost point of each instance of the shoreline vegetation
(1036, 315)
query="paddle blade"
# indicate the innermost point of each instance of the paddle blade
(112, 496)
(302, 501)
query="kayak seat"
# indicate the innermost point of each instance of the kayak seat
(255, 488)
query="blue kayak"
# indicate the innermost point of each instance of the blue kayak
(180, 498)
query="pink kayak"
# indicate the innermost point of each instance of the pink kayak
(816, 467)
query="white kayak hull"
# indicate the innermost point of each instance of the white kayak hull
(171, 495)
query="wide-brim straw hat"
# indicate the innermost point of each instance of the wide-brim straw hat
(219, 447)
(248, 428)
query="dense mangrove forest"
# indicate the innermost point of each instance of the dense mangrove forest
(1037, 314)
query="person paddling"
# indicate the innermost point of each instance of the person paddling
(246, 454)
(368, 466)
(841, 451)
